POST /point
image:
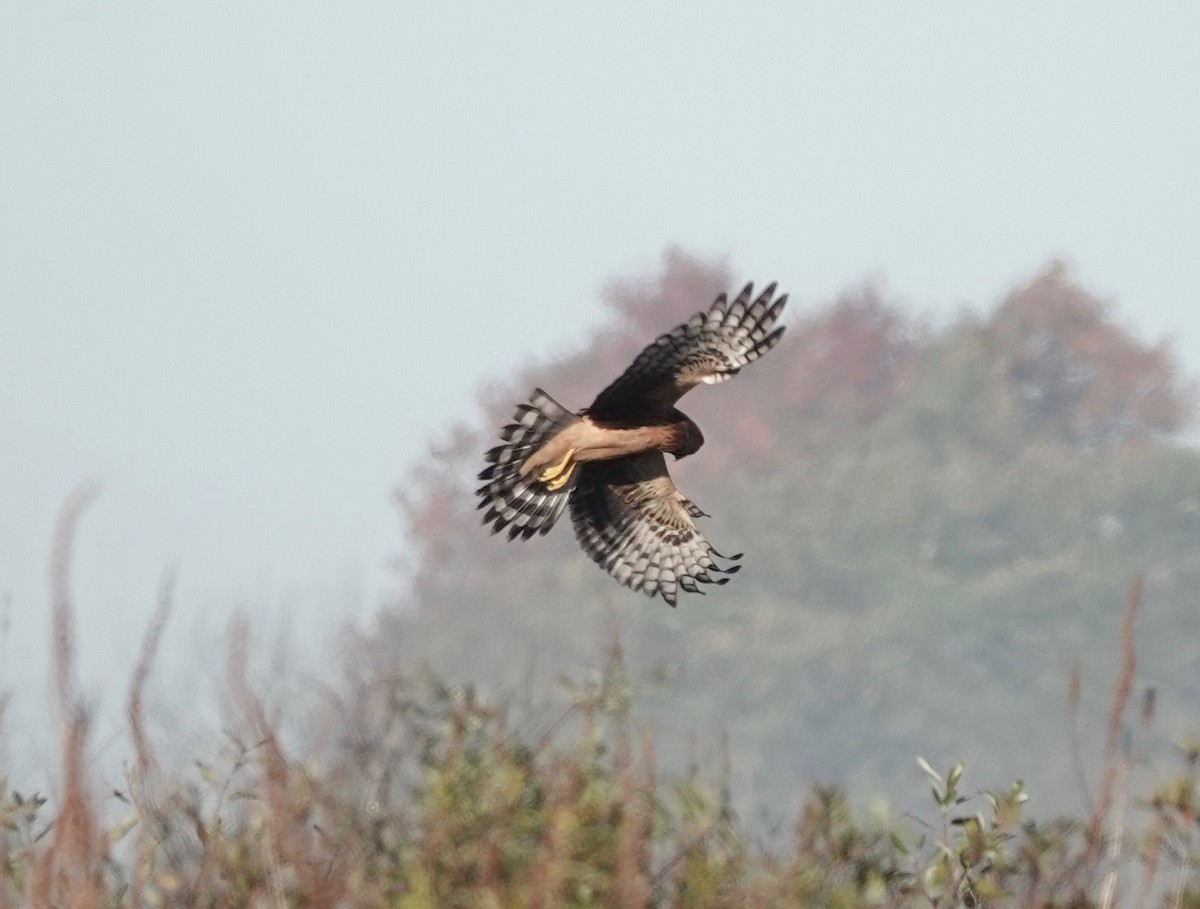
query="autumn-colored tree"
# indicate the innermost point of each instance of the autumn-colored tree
(1077, 375)
(855, 352)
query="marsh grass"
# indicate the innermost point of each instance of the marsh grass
(425, 796)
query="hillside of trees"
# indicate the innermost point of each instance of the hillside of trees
(941, 524)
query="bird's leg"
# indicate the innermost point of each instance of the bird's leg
(556, 475)
(561, 480)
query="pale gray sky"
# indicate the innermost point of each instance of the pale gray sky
(253, 255)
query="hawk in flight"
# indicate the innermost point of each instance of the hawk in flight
(607, 462)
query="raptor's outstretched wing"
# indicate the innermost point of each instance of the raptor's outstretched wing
(637, 526)
(710, 347)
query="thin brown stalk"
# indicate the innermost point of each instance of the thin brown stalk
(1120, 698)
(286, 798)
(143, 754)
(62, 550)
(1074, 697)
(67, 869)
(275, 773)
(134, 708)
(1115, 761)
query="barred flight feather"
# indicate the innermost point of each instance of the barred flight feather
(522, 504)
(710, 347)
(634, 523)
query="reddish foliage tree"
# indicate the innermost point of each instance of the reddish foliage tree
(1077, 375)
(857, 349)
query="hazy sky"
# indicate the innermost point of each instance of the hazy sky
(254, 255)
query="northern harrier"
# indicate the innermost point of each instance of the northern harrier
(608, 461)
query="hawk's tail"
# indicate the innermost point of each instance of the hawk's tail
(527, 505)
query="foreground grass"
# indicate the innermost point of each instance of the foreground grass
(486, 819)
(426, 797)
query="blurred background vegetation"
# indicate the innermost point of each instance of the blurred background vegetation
(969, 542)
(940, 526)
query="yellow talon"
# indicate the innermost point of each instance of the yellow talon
(558, 473)
(555, 469)
(561, 480)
